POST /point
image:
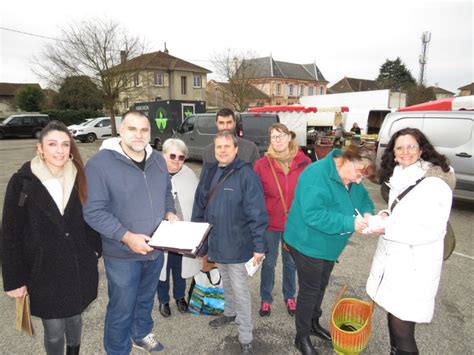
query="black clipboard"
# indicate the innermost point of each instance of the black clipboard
(189, 252)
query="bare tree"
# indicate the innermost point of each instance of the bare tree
(238, 70)
(96, 48)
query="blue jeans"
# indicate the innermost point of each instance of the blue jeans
(179, 284)
(131, 287)
(267, 281)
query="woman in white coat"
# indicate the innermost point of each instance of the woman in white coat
(407, 264)
(184, 183)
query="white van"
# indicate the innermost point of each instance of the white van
(450, 132)
(98, 128)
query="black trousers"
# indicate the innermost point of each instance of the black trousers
(313, 278)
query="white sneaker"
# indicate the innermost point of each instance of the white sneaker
(149, 344)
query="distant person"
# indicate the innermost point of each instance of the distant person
(129, 195)
(183, 188)
(230, 197)
(407, 264)
(330, 204)
(355, 128)
(279, 171)
(49, 251)
(225, 121)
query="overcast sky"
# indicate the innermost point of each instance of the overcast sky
(344, 37)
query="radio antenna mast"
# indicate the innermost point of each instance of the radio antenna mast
(425, 39)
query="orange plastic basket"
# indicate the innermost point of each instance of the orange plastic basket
(351, 324)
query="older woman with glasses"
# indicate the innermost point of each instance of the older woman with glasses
(407, 264)
(184, 183)
(279, 171)
(327, 208)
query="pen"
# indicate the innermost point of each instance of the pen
(358, 213)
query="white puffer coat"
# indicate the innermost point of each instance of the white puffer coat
(407, 264)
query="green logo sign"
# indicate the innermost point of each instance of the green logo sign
(161, 120)
(188, 113)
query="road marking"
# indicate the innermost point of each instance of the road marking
(463, 255)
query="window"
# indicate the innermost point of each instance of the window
(28, 120)
(278, 89)
(104, 123)
(183, 85)
(290, 90)
(125, 103)
(321, 90)
(311, 90)
(136, 79)
(16, 120)
(301, 93)
(197, 81)
(447, 132)
(207, 124)
(188, 125)
(159, 78)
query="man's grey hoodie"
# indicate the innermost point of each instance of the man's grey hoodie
(122, 197)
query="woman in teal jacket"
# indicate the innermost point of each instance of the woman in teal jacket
(328, 206)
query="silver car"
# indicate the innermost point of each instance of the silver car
(450, 132)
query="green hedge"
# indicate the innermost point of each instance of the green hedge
(69, 117)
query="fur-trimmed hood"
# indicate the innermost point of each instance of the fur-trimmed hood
(449, 177)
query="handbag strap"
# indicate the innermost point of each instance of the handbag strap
(278, 186)
(403, 194)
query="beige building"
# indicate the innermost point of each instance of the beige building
(219, 95)
(466, 90)
(161, 76)
(8, 93)
(441, 93)
(286, 82)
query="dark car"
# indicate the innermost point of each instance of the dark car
(25, 125)
(198, 130)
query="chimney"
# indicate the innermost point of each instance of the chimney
(166, 49)
(123, 56)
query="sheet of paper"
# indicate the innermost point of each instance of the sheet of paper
(375, 223)
(251, 268)
(179, 234)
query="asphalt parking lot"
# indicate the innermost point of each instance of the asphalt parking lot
(451, 331)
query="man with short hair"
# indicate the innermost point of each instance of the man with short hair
(129, 194)
(230, 197)
(225, 121)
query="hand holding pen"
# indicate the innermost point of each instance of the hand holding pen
(360, 223)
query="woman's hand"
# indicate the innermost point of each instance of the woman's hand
(360, 224)
(17, 293)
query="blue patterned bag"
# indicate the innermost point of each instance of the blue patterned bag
(206, 295)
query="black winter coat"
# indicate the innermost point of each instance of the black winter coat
(52, 254)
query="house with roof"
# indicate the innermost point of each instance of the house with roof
(219, 95)
(283, 82)
(347, 84)
(441, 93)
(160, 76)
(8, 93)
(466, 90)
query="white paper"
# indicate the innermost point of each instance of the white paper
(251, 268)
(375, 223)
(179, 235)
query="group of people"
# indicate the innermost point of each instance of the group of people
(60, 217)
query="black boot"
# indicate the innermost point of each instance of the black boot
(73, 350)
(403, 352)
(393, 350)
(304, 346)
(319, 331)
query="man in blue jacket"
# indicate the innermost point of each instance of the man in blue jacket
(129, 194)
(230, 197)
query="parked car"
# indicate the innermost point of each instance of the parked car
(98, 128)
(198, 130)
(24, 125)
(450, 132)
(76, 126)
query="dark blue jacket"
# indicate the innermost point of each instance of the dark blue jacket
(236, 210)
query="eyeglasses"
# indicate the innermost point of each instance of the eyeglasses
(358, 175)
(174, 156)
(411, 148)
(279, 137)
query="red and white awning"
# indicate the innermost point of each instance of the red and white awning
(452, 104)
(297, 108)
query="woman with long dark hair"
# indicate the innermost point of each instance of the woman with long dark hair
(49, 251)
(407, 264)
